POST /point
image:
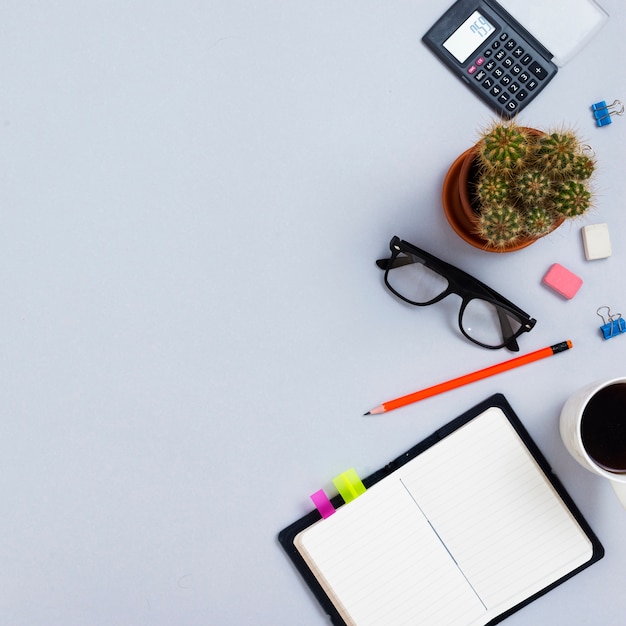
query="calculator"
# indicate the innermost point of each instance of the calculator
(498, 59)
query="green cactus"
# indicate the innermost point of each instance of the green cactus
(492, 188)
(505, 147)
(539, 220)
(499, 225)
(533, 187)
(583, 167)
(572, 198)
(528, 181)
(557, 152)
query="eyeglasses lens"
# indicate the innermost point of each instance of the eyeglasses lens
(415, 282)
(488, 324)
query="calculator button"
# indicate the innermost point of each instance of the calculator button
(526, 59)
(506, 80)
(508, 62)
(523, 77)
(518, 52)
(500, 54)
(487, 53)
(514, 88)
(511, 105)
(531, 84)
(537, 71)
(498, 72)
(480, 61)
(495, 45)
(516, 69)
(488, 83)
(496, 91)
(471, 69)
(503, 37)
(510, 44)
(480, 75)
(490, 65)
(504, 97)
(521, 95)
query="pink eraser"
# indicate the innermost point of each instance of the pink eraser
(562, 281)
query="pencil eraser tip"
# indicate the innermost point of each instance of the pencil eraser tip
(562, 281)
(596, 241)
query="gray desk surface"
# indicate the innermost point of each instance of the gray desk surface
(193, 195)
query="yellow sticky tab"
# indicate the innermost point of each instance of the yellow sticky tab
(349, 485)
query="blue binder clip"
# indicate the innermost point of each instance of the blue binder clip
(602, 111)
(616, 324)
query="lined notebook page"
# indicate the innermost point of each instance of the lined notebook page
(493, 508)
(464, 531)
(381, 563)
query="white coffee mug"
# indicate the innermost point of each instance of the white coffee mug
(571, 433)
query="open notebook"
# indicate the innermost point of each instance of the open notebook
(463, 529)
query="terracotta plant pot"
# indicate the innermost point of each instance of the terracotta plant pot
(457, 205)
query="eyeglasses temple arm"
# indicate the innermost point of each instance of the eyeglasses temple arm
(398, 261)
(507, 331)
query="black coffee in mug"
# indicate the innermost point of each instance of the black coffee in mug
(603, 428)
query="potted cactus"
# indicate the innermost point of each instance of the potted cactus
(516, 185)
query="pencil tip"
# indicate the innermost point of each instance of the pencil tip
(368, 413)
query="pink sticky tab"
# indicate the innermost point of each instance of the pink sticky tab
(562, 281)
(323, 504)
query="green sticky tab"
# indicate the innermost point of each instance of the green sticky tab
(349, 485)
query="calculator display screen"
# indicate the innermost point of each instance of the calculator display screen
(468, 36)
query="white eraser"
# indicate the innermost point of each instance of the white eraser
(596, 241)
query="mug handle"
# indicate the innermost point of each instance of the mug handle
(620, 491)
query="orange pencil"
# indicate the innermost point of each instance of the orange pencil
(470, 378)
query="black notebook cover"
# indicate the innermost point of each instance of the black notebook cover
(288, 535)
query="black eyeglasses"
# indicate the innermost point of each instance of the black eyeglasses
(486, 318)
